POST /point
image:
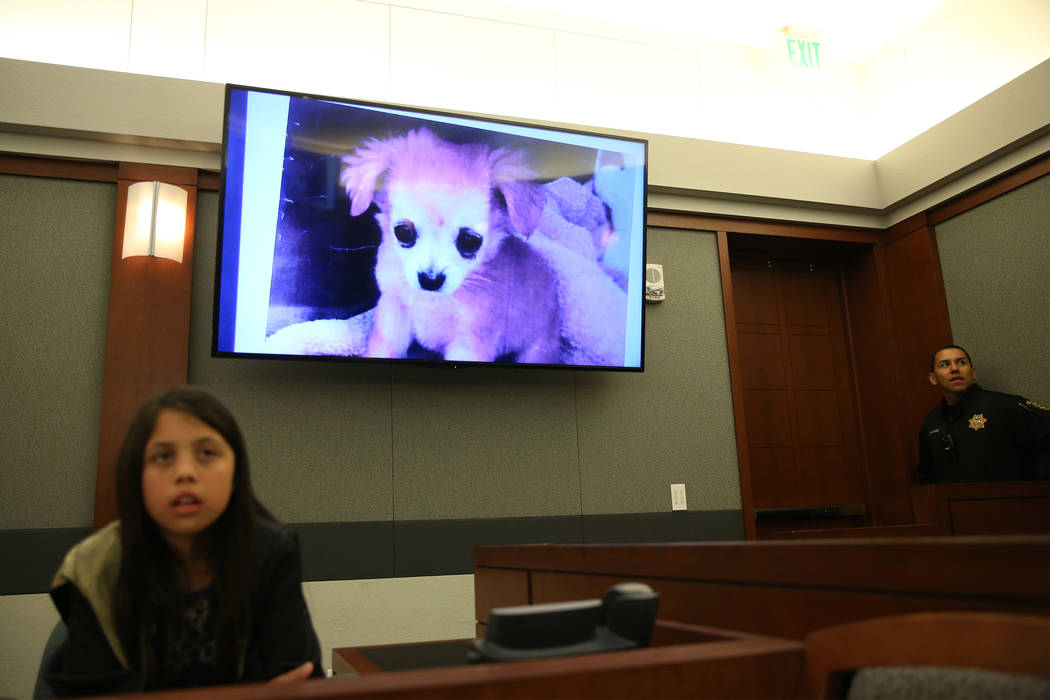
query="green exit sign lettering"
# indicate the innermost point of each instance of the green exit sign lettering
(803, 53)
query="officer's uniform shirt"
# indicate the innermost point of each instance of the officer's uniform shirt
(987, 436)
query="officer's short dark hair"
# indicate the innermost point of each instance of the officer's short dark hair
(946, 347)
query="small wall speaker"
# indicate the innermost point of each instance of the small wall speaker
(654, 282)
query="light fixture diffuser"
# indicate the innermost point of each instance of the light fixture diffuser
(155, 224)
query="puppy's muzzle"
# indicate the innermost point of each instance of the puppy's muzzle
(431, 281)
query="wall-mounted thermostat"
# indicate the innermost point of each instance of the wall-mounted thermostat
(654, 282)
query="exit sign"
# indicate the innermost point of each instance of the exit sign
(804, 54)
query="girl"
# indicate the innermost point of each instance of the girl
(195, 584)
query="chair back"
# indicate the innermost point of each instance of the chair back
(1010, 644)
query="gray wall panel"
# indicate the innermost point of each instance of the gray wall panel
(34, 557)
(339, 551)
(996, 260)
(674, 526)
(360, 443)
(484, 442)
(55, 286)
(674, 423)
(318, 432)
(380, 550)
(342, 442)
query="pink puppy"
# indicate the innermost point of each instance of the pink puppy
(453, 268)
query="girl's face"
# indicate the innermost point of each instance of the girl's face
(187, 476)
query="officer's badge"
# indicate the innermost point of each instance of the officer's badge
(977, 421)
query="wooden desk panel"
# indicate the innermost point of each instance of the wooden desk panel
(497, 588)
(732, 669)
(787, 612)
(790, 588)
(411, 656)
(683, 661)
(985, 508)
(971, 516)
(852, 533)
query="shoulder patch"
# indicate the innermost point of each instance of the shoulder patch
(1032, 405)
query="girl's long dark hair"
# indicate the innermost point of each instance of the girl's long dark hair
(148, 593)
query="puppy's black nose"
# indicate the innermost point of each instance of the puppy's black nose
(430, 281)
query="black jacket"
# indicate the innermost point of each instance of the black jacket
(91, 662)
(987, 436)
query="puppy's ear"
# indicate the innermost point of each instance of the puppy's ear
(512, 181)
(362, 170)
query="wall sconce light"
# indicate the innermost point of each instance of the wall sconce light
(155, 224)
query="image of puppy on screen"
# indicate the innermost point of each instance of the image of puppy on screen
(454, 270)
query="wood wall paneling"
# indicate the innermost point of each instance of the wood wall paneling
(872, 344)
(736, 380)
(58, 168)
(797, 393)
(906, 227)
(768, 229)
(208, 181)
(918, 308)
(1022, 175)
(147, 335)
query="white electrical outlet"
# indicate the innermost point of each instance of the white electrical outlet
(678, 497)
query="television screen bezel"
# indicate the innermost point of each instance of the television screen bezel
(423, 111)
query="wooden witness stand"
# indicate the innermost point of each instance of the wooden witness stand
(683, 660)
(991, 508)
(986, 508)
(737, 619)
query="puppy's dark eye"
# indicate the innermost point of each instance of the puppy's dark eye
(406, 233)
(468, 242)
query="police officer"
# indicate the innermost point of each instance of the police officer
(980, 435)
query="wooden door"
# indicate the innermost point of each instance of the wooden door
(799, 407)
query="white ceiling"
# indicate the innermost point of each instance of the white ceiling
(855, 30)
(713, 70)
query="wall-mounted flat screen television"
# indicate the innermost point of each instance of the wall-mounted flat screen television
(364, 231)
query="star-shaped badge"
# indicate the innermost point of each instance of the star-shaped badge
(977, 421)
